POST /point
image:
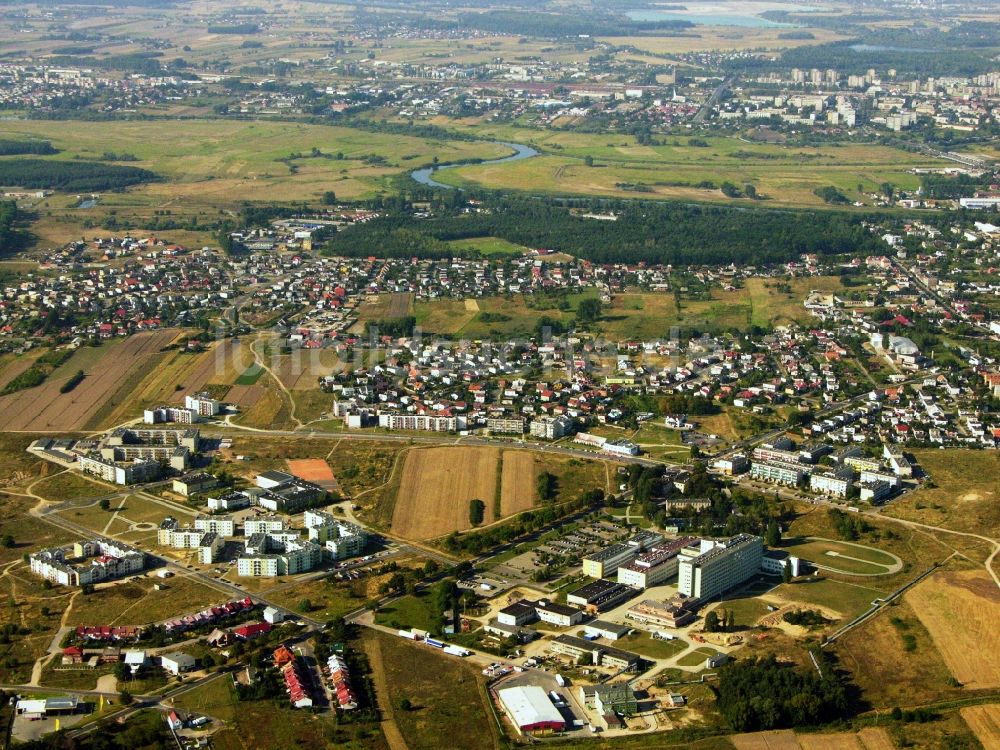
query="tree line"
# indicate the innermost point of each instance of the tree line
(70, 175)
(10, 147)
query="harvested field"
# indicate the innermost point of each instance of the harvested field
(870, 738)
(314, 470)
(893, 660)
(436, 487)
(400, 305)
(106, 385)
(776, 740)
(829, 742)
(206, 368)
(15, 368)
(960, 610)
(245, 396)
(876, 738)
(985, 722)
(517, 482)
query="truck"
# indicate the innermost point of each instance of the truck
(434, 642)
(457, 651)
(662, 635)
(408, 634)
(200, 721)
(560, 680)
(556, 699)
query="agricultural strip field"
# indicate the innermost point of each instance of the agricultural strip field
(518, 481)
(870, 738)
(984, 721)
(961, 610)
(783, 175)
(436, 487)
(111, 372)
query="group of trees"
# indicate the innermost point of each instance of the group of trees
(697, 234)
(70, 175)
(848, 527)
(757, 694)
(477, 511)
(9, 147)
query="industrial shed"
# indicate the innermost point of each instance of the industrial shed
(530, 709)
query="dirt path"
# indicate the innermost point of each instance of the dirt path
(274, 376)
(389, 728)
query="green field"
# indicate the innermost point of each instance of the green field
(219, 163)
(488, 246)
(496, 316)
(782, 174)
(642, 643)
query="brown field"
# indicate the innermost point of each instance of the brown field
(436, 487)
(400, 305)
(985, 722)
(888, 675)
(15, 368)
(245, 396)
(109, 382)
(517, 482)
(870, 738)
(961, 609)
(776, 740)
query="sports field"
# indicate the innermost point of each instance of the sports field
(961, 609)
(843, 557)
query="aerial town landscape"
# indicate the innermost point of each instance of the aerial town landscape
(443, 375)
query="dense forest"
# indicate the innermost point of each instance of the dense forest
(70, 175)
(10, 147)
(654, 233)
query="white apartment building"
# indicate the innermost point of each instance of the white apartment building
(718, 566)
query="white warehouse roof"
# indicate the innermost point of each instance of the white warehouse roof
(529, 706)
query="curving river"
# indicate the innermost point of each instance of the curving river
(425, 176)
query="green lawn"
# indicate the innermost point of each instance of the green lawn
(697, 657)
(408, 612)
(644, 644)
(488, 246)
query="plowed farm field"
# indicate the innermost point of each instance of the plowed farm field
(961, 609)
(110, 378)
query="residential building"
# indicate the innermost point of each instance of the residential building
(88, 562)
(551, 428)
